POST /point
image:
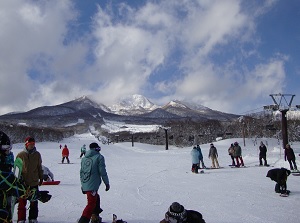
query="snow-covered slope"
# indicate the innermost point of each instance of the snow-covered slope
(146, 179)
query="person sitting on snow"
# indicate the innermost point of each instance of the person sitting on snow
(177, 214)
(47, 174)
(280, 177)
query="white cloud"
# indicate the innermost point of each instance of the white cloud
(118, 55)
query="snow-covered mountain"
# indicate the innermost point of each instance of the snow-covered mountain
(133, 105)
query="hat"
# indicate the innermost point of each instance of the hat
(4, 141)
(95, 146)
(176, 213)
(211, 144)
(29, 140)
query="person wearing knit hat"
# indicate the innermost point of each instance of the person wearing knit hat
(92, 173)
(32, 174)
(178, 214)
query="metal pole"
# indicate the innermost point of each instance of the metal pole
(284, 128)
(167, 143)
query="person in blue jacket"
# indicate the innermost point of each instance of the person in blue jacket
(92, 173)
(200, 158)
(195, 159)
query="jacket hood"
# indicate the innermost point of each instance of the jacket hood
(91, 153)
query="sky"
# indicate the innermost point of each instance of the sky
(146, 179)
(228, 55)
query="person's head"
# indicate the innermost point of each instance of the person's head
(29, 143)
(176, 213)
(211, 145)
(236, 143)
(5, 144)
(287, 146)
(95, 146)
(261, 143)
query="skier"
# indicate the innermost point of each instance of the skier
(11, 186)
(65, 154)
(213, 154)
(231, 154)
(177, 214)
(262, 154)
(238, 154)
(200, 158)
(83, 151)
(47, 174)
(32, 174)
(290, 156)
(195, 159)
(92, 173)
(280, 177)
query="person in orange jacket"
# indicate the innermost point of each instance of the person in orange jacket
(65, 154)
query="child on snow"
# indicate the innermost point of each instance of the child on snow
(177, 214)
(65, 154)
(195, 159)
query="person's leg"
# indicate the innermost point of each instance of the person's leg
(22, 210)
(291, 166)
(33, 210)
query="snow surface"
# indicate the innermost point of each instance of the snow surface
(146, 179)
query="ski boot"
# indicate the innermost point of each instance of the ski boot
(96, 218)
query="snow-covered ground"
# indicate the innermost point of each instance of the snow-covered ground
(146, 179)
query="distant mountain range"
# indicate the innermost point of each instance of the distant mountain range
(136, 109)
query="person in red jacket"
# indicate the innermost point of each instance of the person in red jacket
(65, 154)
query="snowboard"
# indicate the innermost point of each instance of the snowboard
(18, 165)
(211, 168)
(65, 163)
(296, 173)
(56, 182)
(286, 194)
(239, 167)
(264, 165)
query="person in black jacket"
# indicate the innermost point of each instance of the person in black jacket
(289, 155)
(279, 175)
(262, 154)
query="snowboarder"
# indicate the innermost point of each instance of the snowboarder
(92, 173)
(280, 177)
(238, 154)
(83, 151)
(213, 155)
(47, 174)
(231, 154)
(178, 214)
(201, 162)
(290, 156)
(65, 154)
(262, 154)
(11, 186)
(195, 159)
(32, 174)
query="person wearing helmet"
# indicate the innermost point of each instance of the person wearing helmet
(10, 185)
(83, 151)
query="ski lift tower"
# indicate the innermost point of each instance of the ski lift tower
(283, 105)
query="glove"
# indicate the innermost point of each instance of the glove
(44, 196)
(107, 187)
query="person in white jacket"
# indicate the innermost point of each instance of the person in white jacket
(47, 174)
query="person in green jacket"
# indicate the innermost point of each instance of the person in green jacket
(92, 173)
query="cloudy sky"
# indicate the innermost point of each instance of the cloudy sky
(228, 55)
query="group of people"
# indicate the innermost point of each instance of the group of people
(25, 188)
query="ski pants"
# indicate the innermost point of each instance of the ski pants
(93, 204)
(291, 162)
(214, 162)
(65, 157)
(5, 208)
(33, 210)
(232, 158)
(280, 188)
(262, 157)
(238, 159)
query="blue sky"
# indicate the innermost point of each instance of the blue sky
(228, 55)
